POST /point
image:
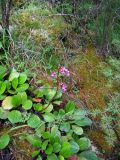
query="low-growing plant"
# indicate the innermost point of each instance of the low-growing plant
(55, 133)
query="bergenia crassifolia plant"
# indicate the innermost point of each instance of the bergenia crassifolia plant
(61, 72)
(31, 115)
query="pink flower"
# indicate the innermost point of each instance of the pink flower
(63, 87)
(54, 74)
(64, 71)
(67, 73)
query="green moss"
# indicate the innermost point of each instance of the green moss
(37, 28)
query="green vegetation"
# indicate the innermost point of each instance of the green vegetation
(60, 80)
(57, 134)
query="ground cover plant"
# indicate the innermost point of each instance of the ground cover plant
(37, 39)
(52, 131)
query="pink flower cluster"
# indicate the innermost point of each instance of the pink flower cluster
(63, 87)
(62, 71)
(54, 74)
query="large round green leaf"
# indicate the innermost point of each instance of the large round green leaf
(15, 83)
(34, 121)
(79, 113)
(46, 135)
(49, 108)
(4, 141)
(44, 144)
(52, 157)
(56, 147)
(38, 107)
(22, 78)
(27, 105)
(12, 91)
(65, 127)
(2, 87)
(15, 116)
(83, 122)
(23, 87)
(70, 106)
(8, 84)
(54, 130)
(49, 117)
(66, 150)
(50, 94)
(49, 149)
(7, 103)
(61, 112)
(75, 147)
(84, 143)
(14, 74)
(23, 96)
(3, 113)
(16, 100)
(88, 155)
(60, 157)
(2, 97)
(77, 130)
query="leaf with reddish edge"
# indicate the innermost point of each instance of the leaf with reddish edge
(73, 158)
(37, 100)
